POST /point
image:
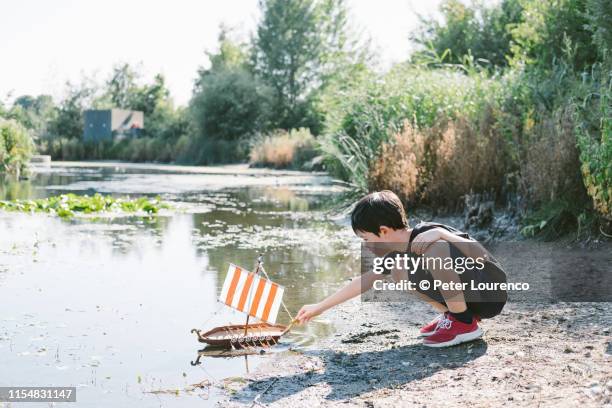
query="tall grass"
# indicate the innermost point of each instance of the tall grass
(359, 122)
(145, 149)
(540, 139)
(438, 165)
(295, 149)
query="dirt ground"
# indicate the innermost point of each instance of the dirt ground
(539, 352)
(531, 355)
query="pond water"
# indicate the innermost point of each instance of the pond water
(107, 304)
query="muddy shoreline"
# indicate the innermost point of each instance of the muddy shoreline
(537, 353)
(531, 355)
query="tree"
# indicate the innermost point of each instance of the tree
(231, 53)
(121, 86)
(35, 113)
(68, 122)
(297, 45)
(478, 30)
(553, 30)
(149, 97)
(228, 102)
(124, 91)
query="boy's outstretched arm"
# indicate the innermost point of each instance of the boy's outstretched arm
(354, 288)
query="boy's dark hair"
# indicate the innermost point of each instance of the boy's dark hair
(378, 209)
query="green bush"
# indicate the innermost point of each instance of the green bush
(210, 151)
(230, 104)
(16, 147)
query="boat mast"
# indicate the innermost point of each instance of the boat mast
(257, 269)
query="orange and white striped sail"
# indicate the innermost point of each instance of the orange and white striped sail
(251, 294)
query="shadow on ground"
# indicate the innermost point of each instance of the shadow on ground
(351, 375)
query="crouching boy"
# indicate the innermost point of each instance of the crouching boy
(380, 221)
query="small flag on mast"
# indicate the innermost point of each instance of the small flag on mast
(251, 294)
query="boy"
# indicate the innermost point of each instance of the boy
(380, 220)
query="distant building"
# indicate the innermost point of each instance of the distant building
(105, 124)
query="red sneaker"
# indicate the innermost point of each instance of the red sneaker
(450, 332)
(430, 328)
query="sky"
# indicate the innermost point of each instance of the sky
(46, 43)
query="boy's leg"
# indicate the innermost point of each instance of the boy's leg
(428, 329)
(437, 253)
(401, 274)
(460, 325)
(436, 305)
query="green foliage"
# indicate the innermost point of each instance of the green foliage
(145, 149)
(599, 15)
(164, 125)
(68, 122)
(552, 30)
(534, 31)
(557, 50)
(477, 30)
(68, 205)
(167, 123)
(123, 91)
(210, 151)
(231, 53)
(16, 147)
(230, 104)
(35, 113)
(552, 220)
(235, 98)
(298, 43)
(121, 88)
(594, 131)
(361, 119)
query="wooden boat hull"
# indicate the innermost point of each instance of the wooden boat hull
(233, 336)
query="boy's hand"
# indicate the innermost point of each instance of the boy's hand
(423, 240)
(307, 312)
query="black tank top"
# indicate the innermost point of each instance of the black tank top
(426, 226)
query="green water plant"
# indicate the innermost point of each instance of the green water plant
(69, 205)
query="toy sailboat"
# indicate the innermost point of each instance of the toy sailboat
(258, 297)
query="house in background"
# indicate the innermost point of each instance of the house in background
(105, 124)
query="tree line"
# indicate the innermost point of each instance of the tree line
(272, 81)
(511, 100)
